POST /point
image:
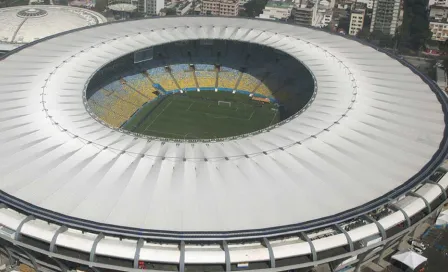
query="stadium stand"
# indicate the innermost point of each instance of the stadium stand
(163, 78)
(120, 105)
(141, 83)
(263, 90)
(248, 83)
(185, 79)
(227, 78)
(206, 78)
(101, 105)
(179, 68)
(204, 67)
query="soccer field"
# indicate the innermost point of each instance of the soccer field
(198, 115)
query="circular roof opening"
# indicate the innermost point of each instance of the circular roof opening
(32, 13)
(201, 90)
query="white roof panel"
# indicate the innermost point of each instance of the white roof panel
(55, 157)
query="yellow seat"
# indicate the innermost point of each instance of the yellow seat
(206, 78)
(248, 83)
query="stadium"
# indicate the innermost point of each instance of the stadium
(214, 144)
(23, 24)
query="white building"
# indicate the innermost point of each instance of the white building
(441, 3)
(438, 23)
(276, 10)
(356, 22)
(150, 7)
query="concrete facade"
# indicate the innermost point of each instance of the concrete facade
(220, 7)
(356, 22)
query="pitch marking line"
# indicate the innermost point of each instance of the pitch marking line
(190, 106)
(251, 115)
(158, 115)
(273, 118)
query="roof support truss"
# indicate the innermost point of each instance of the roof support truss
(406, 217)
(60, 230)
(182, 257)
(267, 244)
(414, 194)
(137, 252)
(61, 265)
(19, 228)
(98, 238)
(440, 186)
(312, 248)
(378, 225)
(227, 255)
(347, 236)
(386, 247)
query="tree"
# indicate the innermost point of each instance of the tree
(169, 11)
(253, 8)
(381, 39)
(414, 31)
(364, 33)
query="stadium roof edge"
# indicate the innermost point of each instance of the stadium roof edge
(418, 178)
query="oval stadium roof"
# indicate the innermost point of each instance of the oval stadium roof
(24, 24)
(374, 130)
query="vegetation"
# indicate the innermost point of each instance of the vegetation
(415, 28)
(253, 8)
(198, 116)
(169, 11)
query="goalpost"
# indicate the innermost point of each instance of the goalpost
(225, 103)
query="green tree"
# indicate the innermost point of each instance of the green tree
(381, 39)
(253, 8)
(414, 31)
(169, 11)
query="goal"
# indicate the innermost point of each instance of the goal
(225, 103)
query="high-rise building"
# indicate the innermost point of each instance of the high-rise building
(150, 7)
(356, 21)
(303, 12)
(220, 7)
(385, 16)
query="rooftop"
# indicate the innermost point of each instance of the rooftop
(280, 4)
(332, 161)
(24, 24)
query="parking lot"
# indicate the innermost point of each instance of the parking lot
(437, 251)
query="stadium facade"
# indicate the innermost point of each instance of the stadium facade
(350, 176)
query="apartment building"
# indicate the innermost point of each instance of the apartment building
(440, 3)
(277, 10)
(386, 16)
(356, 21)
(438, 23)
(220, 7)
(303, 12)
(150, 7)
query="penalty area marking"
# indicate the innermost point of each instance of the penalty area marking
(270, 124)
(158, 115)
(188, 109)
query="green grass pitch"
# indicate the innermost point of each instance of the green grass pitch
(197, 115)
